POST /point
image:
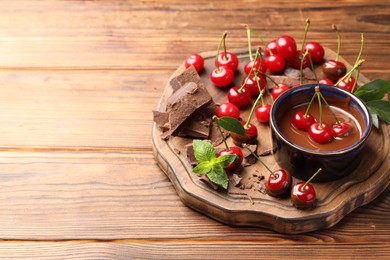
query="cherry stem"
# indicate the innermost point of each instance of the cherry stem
(257, 35)
(301, 67)
(330, 109)
(258, 158)
(308, 107)
(360, 62)
(250, 72)
(271, 79)
(305, 35)
(253, 109)
(359, 55)
(317, 88)
(219, 48)
(215, 118)
(338, 42)
(311, 178)
(356, 79)
(248, 32)
(312, 67)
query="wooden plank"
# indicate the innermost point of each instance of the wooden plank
(109, 196)
(117, 34)
(186, 250)
(83, 109)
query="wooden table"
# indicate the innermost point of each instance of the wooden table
(79, 80)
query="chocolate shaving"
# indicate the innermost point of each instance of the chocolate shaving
(190, 155)
(235, 180)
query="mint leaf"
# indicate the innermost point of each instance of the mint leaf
(203, 150)
(373, 90)
(203, 167)
(381, 108)
(231, 124)
(218, 176)
(225, 159)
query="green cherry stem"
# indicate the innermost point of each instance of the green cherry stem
(250, 72)
(301, 67)
(317, 88)
(253, 109)
(215, 118)
(338, 42)
(356, 79)
(312, 67)
(219, 48)
(311, 102)
(257, 35)
(311, 178)
(248, 33)
(270, 78)
(305, 35)
(358, 57)
(330, 109)
(257, 157)
(358, 64)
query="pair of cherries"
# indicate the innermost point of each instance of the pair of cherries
(320, 132)
(279, 184)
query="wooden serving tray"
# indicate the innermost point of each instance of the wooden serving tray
(249, 205)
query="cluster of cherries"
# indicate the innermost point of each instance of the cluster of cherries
(319, 131)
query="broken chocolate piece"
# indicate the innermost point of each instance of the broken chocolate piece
(264, 151)
(248, 156)
(189, 75)
(197, 129)
(215, 137)
(161, 119)
(308, 74)
(185, 102)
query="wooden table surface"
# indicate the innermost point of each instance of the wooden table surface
(78, 82)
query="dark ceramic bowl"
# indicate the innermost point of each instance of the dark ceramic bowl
(303, 162)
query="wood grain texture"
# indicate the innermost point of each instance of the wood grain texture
(78, 81)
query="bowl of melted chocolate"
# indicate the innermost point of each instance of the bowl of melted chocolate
(298, 153)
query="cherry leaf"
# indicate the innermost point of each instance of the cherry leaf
(381, 108)
(231, 124)
(373, 90)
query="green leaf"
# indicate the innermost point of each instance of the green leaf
(218, 176)
(381, 108)
(231, 124)
(203, 167)
(225, 160)
(373, 90)
(203, 150)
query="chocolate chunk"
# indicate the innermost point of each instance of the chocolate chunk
(185, 102)
(189, 75)
(215, 136)
(264, 151)
(248, 156)
(308, 74)
(161, 119)
(197, 129)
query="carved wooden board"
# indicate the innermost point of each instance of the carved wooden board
(249, 205)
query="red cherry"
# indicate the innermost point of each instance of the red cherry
(248, 66)
(286, 46)
(326, 81)
(251, 130)
(279, 183)
(347, 84)
(222, 77)
(334, 69)
(302, 122)
(321, 134)
(228, 109)
(236, 151)
(227, 59)
(317, 52)
(275, 63)
(262, 113)
(303, 198)
(278, 90)
(238, 97)
(251, 84)
(195, 60)
(341, 129)
(270, 48)
(295, 61)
